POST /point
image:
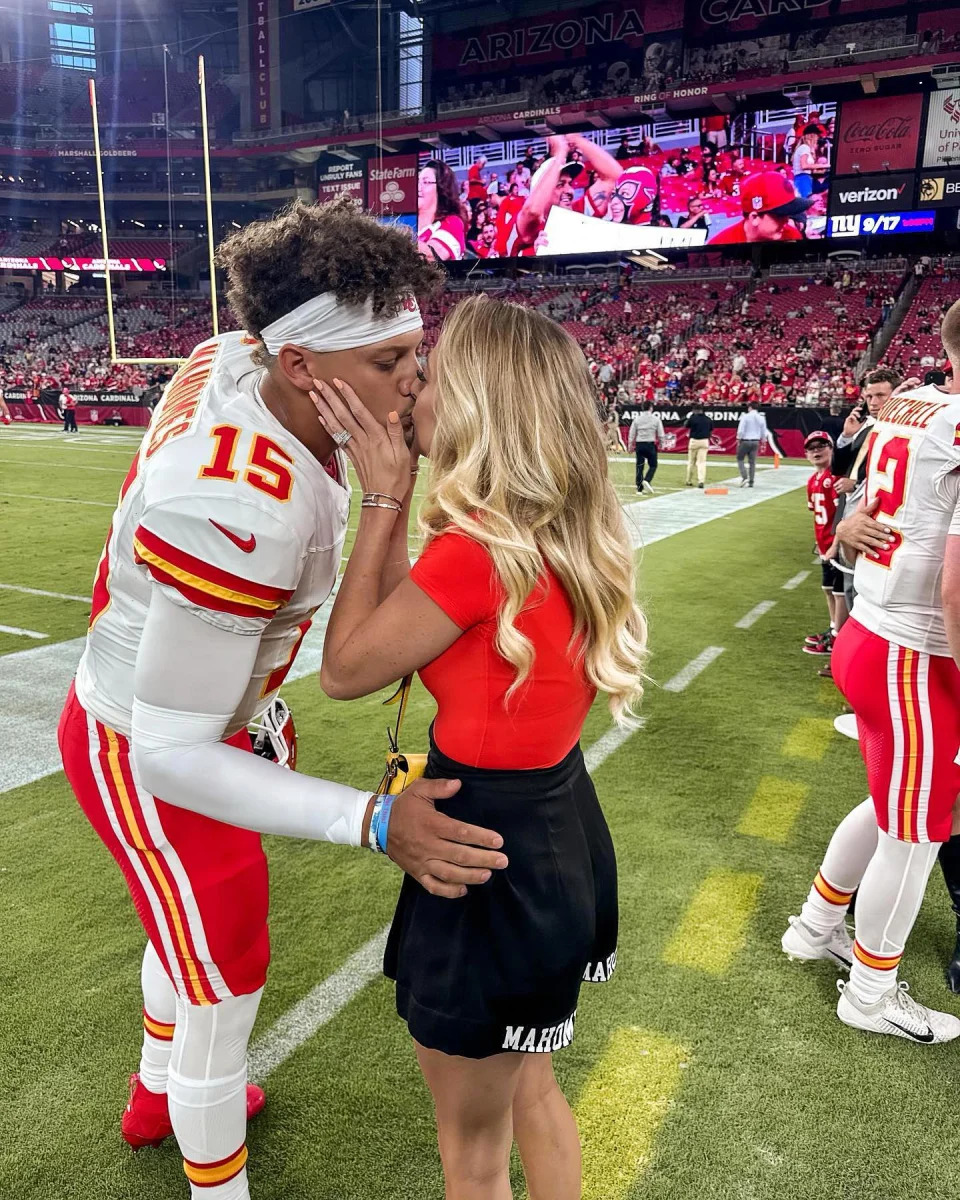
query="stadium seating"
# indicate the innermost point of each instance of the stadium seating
(916, 346)
(815, 329)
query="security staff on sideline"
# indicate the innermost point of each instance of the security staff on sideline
(644, 435)
(700, 427)
(751, 432)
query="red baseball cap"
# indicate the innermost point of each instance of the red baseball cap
(771, 192)
(818, 435)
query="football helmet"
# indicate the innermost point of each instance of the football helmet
(274, 734)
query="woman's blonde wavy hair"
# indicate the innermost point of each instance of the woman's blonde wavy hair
(518, 445)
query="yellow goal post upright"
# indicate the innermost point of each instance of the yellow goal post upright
(105, 240)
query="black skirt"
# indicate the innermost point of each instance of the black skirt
(500, 969)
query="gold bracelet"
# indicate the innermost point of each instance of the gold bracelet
(382, 496)
(378, 504)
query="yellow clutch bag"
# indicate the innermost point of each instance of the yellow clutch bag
(402, 769)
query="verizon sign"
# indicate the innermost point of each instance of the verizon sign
(876, 193)
(941, 146)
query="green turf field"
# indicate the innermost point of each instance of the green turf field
(709, 1068)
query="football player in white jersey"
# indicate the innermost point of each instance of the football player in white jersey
(897, 661)
(226, 540)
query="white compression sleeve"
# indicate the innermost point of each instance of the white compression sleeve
(190, 679)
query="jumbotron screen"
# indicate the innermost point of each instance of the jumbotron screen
(719, 180)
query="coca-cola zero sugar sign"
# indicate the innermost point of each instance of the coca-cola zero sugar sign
(878, 135)
(941, 147)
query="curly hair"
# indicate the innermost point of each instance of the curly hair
(278, 263)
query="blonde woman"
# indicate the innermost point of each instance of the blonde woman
(519, 610)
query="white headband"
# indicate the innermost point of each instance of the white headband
(325, 324)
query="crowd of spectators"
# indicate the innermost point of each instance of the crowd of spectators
(62, 342)
(721, 340)
(916, 347)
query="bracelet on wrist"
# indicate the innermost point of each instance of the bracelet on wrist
(380, 504)
(372, 843)
(381, 496)
(383, 824)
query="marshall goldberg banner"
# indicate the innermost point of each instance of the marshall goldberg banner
(392, 185)
(878, 135)
(941, 146)
(613, 29)
(341, 179)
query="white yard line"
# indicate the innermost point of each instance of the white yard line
(20, 462)
(608, 744)
(57, 499)
(755, 613)
(299, 1023)
(13, 587)
(18, 632)
(795, 582)
(688, 674)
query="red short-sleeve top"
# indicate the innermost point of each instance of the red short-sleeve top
(469, 681)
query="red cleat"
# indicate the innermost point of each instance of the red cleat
(146, 1119)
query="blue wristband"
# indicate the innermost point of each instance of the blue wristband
(383, 824)
(374, 823)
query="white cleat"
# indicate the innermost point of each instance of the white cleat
(648, 487)
(846, 724)
(898, 1014)
(835, 946)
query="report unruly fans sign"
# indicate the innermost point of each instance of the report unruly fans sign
(341, 179)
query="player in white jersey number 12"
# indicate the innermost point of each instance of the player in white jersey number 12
(897, 661)
(227, 537)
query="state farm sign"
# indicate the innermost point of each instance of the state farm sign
(392, 185)
(878, 135)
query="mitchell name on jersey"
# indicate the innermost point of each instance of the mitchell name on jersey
(913, 469)
(226, 511)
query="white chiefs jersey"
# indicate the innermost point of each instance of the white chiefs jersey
(227, 512)
(913, 467)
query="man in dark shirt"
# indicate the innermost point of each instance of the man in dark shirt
(700, 427)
